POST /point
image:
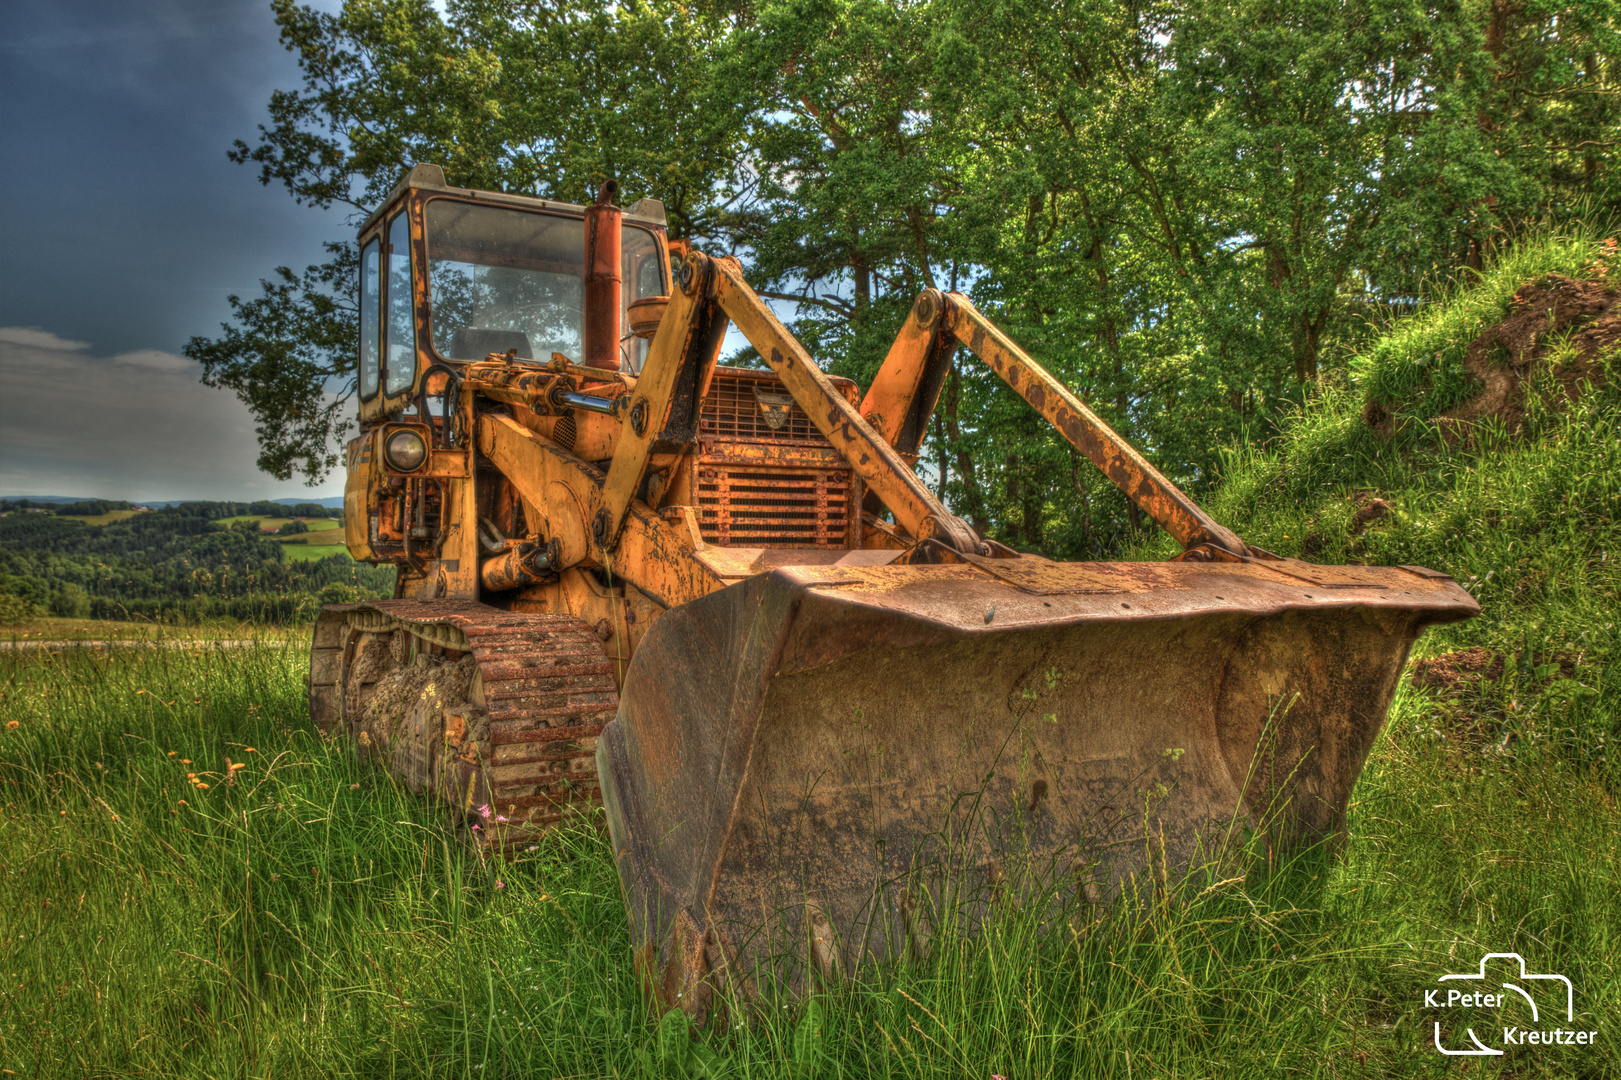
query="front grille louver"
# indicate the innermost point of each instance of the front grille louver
(751, 506)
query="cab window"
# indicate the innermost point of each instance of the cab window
(370, 313)
(400, 326)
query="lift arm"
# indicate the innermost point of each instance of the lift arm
(904, 392)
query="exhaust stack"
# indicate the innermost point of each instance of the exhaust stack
(602, 299)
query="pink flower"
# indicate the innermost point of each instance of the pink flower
(502, 820)
(499, 884)
(484, 811)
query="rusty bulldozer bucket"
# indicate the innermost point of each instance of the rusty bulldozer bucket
(790, 749)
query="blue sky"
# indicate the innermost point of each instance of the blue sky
(123, 228)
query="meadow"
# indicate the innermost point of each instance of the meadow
(194, 882)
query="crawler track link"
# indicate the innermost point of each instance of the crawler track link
(510, 744)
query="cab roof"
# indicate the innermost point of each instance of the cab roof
(428, 177)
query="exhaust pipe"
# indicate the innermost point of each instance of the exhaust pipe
(602, 297)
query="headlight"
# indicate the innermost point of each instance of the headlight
(405, 451)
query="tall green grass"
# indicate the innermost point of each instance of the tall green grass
(309, 919)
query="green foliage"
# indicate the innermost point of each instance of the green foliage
(91, 507)
(176, 564)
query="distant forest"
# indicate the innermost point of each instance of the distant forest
(179, 564)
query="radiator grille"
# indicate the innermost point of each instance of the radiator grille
(739, 406)
(751, 506)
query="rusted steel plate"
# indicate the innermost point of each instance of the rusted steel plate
(796, 752)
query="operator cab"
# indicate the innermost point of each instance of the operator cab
(450, 275)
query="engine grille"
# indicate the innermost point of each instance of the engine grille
(751, 506)
(740, 404)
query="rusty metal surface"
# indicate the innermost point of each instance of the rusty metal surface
(524, 747)
(908, 383)
(760, 506)
(733, 411)
(600, 319)
(795, 753)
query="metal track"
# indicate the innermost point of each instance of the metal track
(544, 683)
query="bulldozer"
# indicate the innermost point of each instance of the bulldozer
(718, 607)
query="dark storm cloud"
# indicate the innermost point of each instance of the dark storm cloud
(151, 430)
(122, 224)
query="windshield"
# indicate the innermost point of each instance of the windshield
(504, 279)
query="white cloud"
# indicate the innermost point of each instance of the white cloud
(136, 425)
(157, 360)
(35, 338)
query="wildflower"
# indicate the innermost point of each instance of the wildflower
(484, 811)
(354, 787)
(499, 884)
(202, 785)
(185, 761)
(238, 765)
(182, 802)
(248, 750)
(13, 725)
(172, 753)
(502, 818)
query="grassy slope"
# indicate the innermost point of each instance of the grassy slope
(309, 919)
(1528, 521)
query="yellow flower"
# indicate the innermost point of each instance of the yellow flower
(172, 753)
(185, 761)
(202, 785)
(239, 765)
(12, 725)
(183, 802)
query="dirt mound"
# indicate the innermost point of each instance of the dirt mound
(1541, 314)
(1455, 673)
(1452, 673)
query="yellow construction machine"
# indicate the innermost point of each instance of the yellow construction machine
(719, 603)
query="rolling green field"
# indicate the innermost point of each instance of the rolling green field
(301, 547)
(307, 552)
(195, 883)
